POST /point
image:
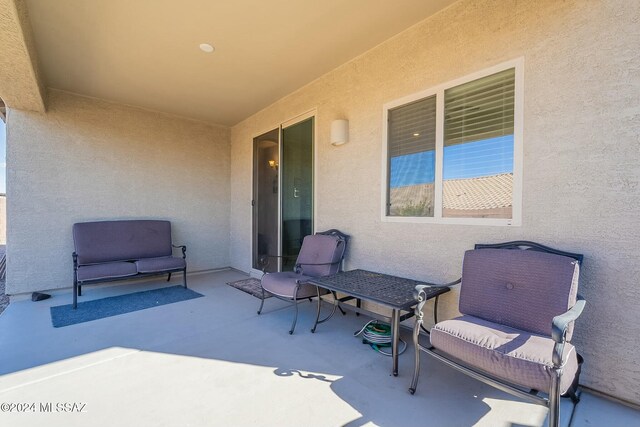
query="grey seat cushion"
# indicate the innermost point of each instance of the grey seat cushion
(109, 270)
(283, 284)
(155, 265)
(510, 354)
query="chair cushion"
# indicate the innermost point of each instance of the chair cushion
(512, 355)
(320, 249)
(284, 284)
(155, 265)
(105, 241)
(106, 271)
(523, 289)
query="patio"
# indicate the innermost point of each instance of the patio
(213, 361)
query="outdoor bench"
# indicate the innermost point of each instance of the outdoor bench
(107, 251)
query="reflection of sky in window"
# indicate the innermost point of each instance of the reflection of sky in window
(473, 159)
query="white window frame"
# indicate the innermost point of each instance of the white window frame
(516, 220)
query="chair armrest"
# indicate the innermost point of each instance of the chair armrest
(319, 263)
(264, 260)
(299, 269)
(184, 250)
(561, 322)
(74, 255)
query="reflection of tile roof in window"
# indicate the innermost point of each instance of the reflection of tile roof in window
(487, 192)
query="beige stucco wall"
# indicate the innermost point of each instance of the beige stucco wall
(3, 219)
(21, 84)
(89, 160)
(581, 156)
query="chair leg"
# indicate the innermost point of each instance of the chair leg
(313, 330)
(554, 399)
(416, 344)
(79, 290)
(261, 301)
(184, 278)
(169, 277)
(329, 316)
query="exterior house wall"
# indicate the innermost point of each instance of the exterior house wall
(581, 184)
(3, 219)
(88, 160)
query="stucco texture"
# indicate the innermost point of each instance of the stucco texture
(3, 219)
(21, 85)
(581, 154)
(87, 160)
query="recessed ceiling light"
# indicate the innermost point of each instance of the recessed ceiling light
(206, 47)
(416, 134)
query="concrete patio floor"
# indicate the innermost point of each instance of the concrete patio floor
(214, 361)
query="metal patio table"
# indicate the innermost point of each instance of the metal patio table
(389, 291)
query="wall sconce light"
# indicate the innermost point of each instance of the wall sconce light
(339, 132)
(273, 164)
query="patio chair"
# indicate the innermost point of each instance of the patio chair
(321, 254)
(518, 302)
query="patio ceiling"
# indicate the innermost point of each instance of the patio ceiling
(145, 53)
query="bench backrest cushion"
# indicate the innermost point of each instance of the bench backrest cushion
(523, 289)
(106, 241)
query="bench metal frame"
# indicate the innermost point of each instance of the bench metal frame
(78, 284)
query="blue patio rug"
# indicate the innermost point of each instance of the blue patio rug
(65, 315)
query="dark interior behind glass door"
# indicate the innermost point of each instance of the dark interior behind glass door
(265, 199)
(297, 189)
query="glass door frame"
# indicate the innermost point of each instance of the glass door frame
(285, 124)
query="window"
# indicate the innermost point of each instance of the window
(454, 153)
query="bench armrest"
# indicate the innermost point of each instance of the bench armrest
(420, 295)
(561, 322)
(184, 250)
(420, 292)
(559, 327)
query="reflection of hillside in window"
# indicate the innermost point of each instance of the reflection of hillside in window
(412, 160)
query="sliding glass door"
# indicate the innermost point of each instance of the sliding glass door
(282, 193)
(297, 188)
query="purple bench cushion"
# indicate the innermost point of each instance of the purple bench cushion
(523, 289)
(512, 355)
(283, 284)
(105, 241)
(154, 265)
(106, 271)
(320, 249)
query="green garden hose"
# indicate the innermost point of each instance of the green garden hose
(378, 334)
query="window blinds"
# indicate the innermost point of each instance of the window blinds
(480, 109)
(412, 128)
